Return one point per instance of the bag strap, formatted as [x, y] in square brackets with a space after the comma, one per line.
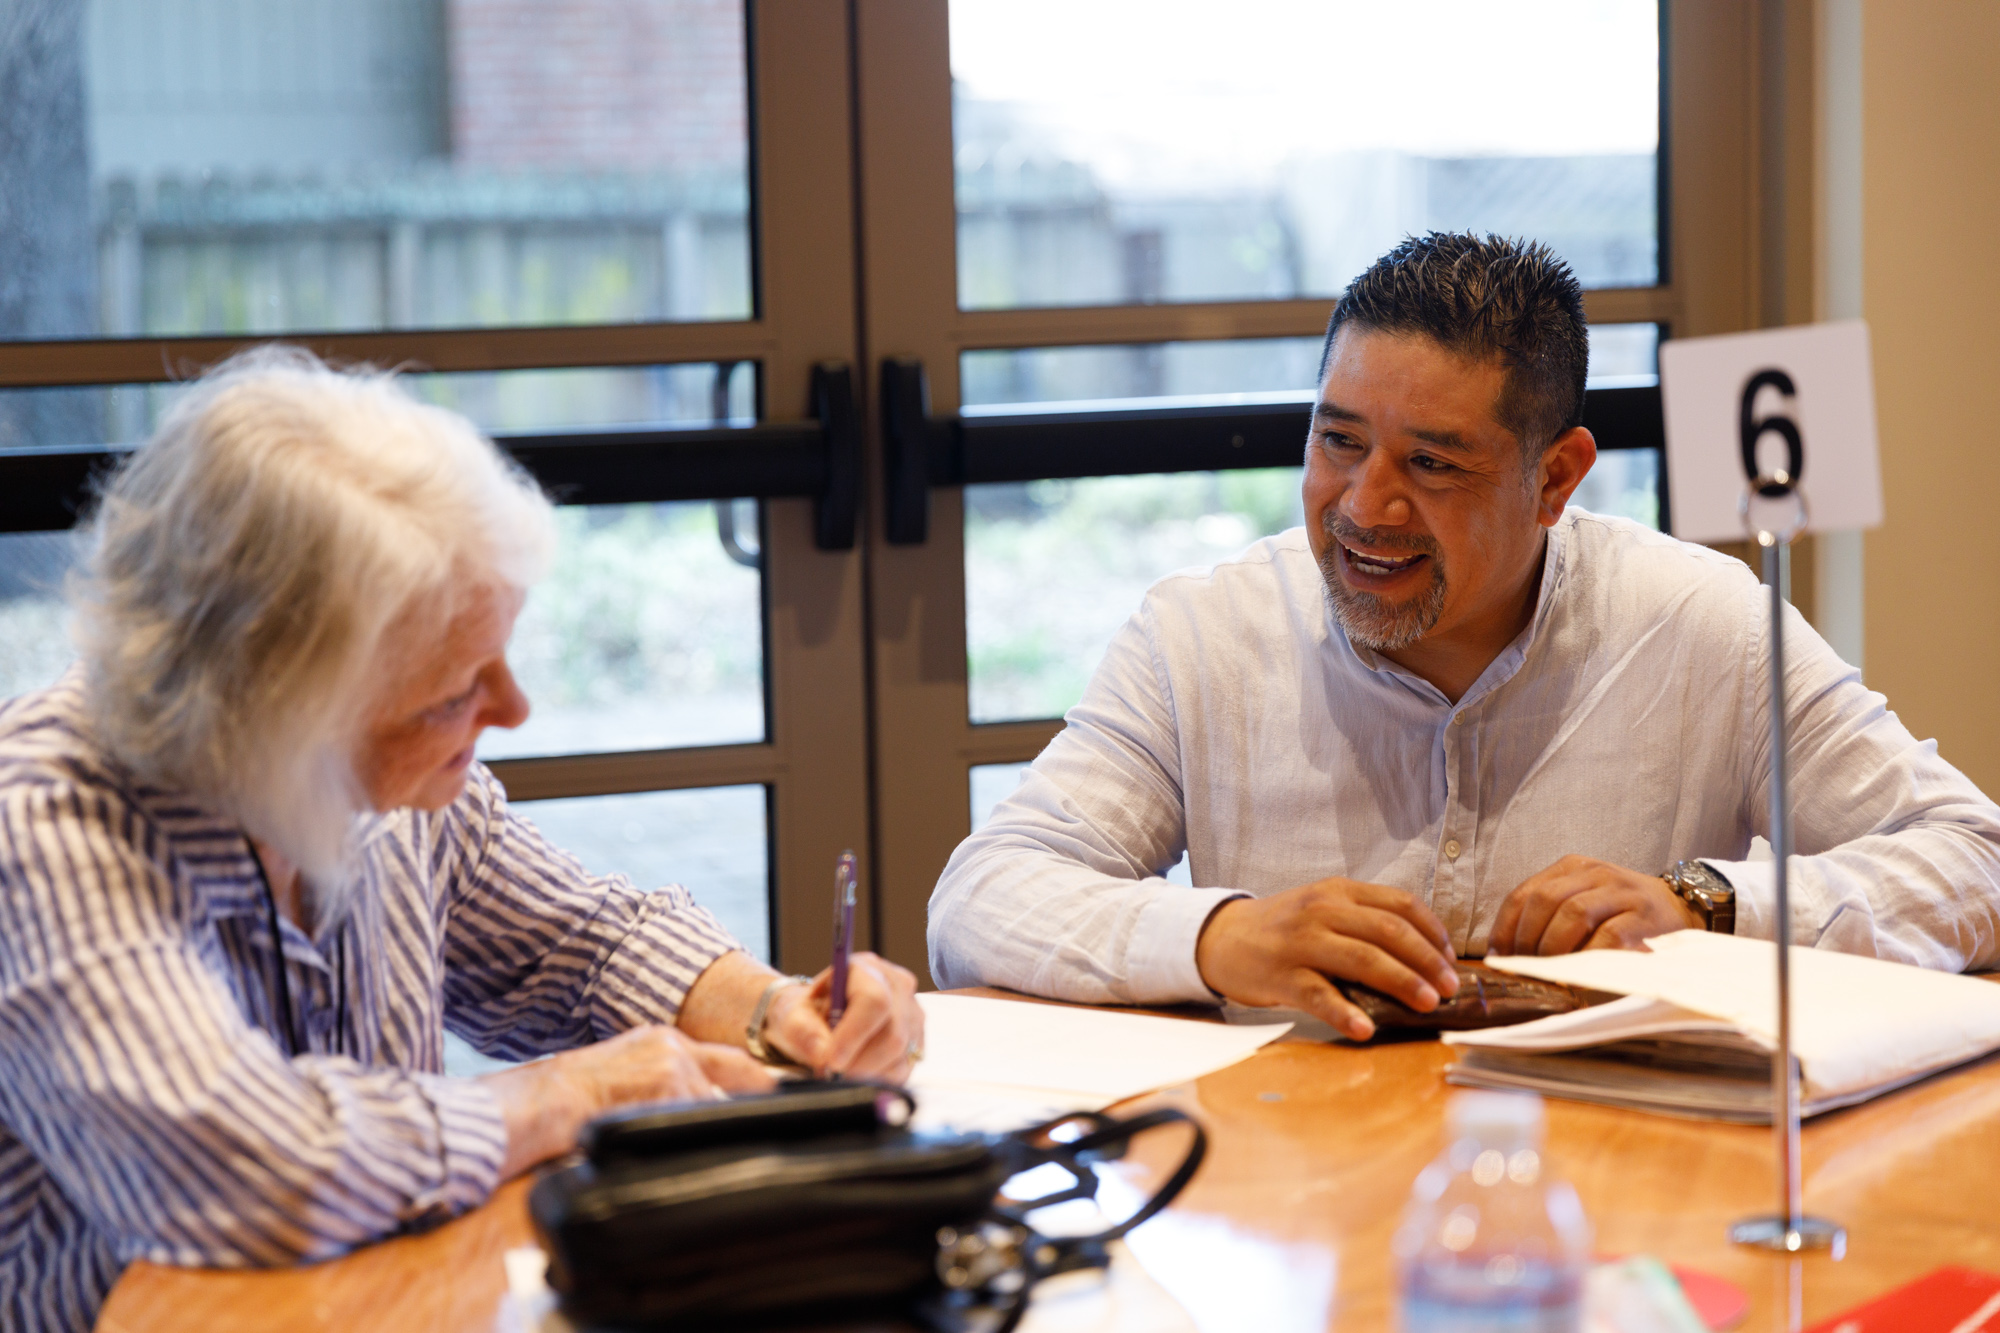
[1121, 1132]
[1045, 1256]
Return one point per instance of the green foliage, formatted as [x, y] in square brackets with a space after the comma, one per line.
[642, 602]
[1054, 567]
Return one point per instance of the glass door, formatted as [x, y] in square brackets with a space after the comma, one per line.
[1102, 229]
[638, 240]
[619, 240]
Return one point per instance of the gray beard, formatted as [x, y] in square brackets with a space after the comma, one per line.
[1374, 622]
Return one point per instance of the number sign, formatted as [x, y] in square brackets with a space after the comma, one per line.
[1774, 410]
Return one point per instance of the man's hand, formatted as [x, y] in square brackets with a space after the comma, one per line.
[1583, 903]
[880, 1036]
[1280, 950]
[545, 1103]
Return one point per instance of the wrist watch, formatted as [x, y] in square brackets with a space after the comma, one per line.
[1711, 896]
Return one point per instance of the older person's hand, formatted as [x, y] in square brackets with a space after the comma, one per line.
[544, 1104]
[880, 1036]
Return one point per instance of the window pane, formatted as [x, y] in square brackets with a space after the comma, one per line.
[192, 167]
[1012, 378]
[1103, 541]
[1111, 152]
[712, 840]
[34, 650]
[647, 634]
[1625, 482]
[992, 784]
[1624, 354]
[649, 631]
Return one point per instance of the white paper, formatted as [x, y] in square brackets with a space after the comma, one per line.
[1702, 381]
[1000, 1064]
[1857, 1023]
[1633, 1017]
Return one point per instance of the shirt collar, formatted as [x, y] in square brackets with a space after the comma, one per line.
[1555, 559]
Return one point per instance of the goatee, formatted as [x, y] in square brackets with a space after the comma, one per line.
[1372, 621]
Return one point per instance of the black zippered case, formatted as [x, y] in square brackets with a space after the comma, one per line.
[813, 1204]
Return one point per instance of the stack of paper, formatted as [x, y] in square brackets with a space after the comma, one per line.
[1002, 1064]
[1695, 1031]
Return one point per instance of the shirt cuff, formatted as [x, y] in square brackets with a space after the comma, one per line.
[1161, 967]
[472, 1145]
[1755, 895]
[654, 967]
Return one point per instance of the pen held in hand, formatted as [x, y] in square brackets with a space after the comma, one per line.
[843, 936]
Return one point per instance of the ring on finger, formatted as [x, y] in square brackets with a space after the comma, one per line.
[915, 1053]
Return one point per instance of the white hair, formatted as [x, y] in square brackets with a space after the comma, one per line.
[245, 564]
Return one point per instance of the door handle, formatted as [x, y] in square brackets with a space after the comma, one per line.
[912, 447]
[837, 507]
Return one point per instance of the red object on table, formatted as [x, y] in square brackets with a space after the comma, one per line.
[1721, 1304]
[1951, 1300]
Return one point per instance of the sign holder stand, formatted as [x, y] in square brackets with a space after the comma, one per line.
[1789, 1230]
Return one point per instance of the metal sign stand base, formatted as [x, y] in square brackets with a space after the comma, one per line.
[1790, 1235]
[1790, 1231]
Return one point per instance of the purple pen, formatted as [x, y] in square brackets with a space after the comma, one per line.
[843, 935]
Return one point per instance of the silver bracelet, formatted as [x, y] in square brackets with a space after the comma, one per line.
[753, 1035]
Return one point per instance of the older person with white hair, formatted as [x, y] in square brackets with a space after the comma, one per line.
[250, 872]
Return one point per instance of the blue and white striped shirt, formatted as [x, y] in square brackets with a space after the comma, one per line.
[146, 1109]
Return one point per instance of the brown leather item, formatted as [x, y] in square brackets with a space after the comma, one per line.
[1487, 998]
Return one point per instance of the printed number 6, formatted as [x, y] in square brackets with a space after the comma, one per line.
[1754, 429]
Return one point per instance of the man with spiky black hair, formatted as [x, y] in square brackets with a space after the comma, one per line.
[1453, 715]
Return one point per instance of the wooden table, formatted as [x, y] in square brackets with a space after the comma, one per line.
[1313, 1150]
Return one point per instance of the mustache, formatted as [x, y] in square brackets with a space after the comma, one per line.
[1347, 534]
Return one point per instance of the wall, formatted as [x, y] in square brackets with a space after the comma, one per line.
[597, 84]
[1931, 293]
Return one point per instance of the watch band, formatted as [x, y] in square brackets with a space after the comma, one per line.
[1711, 896]
[753, 1033]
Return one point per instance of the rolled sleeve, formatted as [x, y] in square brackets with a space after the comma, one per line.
[543, 955]
[471, 1145]
[646, 978]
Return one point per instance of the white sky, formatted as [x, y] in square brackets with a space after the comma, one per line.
[1230, 88]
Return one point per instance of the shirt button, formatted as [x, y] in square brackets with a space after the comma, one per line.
[1451, 848]
[1457, 718]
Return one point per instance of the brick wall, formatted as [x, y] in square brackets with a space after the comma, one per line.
[597, 84]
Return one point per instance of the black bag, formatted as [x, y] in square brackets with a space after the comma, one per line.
[817, 1202]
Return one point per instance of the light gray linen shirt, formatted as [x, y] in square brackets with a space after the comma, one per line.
[1233, 719]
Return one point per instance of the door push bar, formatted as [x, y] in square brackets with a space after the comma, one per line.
[48, 488]
[920, 451]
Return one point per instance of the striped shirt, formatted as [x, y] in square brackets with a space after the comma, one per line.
[147, 1111]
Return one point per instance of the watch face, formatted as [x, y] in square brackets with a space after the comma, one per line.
[1712, 887]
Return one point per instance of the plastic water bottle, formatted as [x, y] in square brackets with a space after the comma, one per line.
[1491, 1242]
